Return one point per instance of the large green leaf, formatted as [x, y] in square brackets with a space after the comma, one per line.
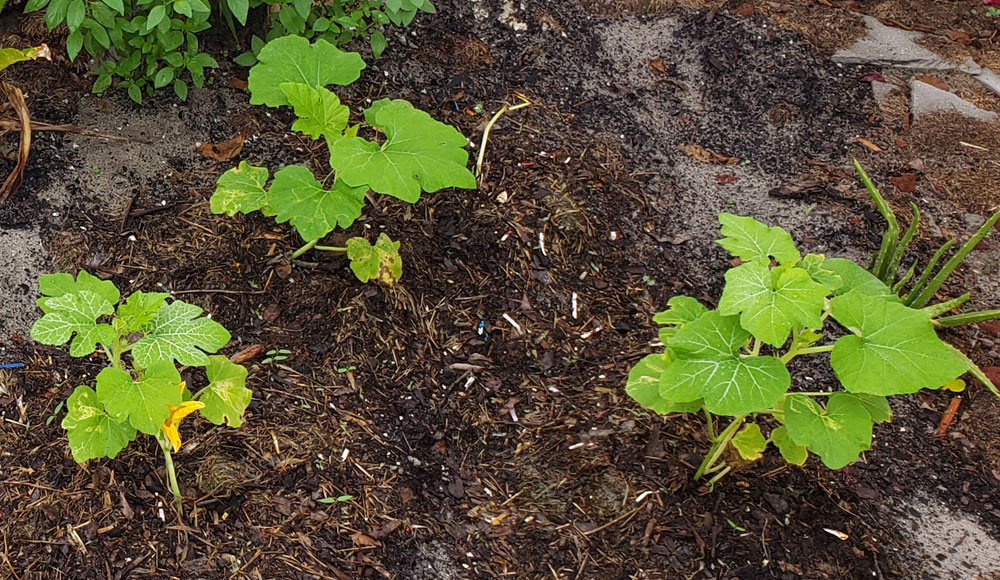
[143, 403]
[707, 365]
[92, 433]
[77, 313]
[771, 302]
[838, 434]
[893, 350]
[226, 397]
[291, 59]
[419, 153]
[748, 239]
[749, 442]
[241, 189]
[297, 197]
[856, 279]
[319, 111]
[379, 261]
[814, 265]
[643, 386]
[178, 332]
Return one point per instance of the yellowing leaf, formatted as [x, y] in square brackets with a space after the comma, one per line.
[955, 386]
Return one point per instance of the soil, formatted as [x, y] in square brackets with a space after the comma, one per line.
[475, 413]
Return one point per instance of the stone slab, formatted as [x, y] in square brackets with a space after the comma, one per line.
[887, 46]
[926, 99]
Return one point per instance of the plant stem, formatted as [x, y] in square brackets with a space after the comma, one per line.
[172, 477]
[305, 248]
[794, 352]
[719, 446]
[709, 424]
[486, 132]
[330, 248]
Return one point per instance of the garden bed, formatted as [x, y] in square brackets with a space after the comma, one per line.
[476, 412]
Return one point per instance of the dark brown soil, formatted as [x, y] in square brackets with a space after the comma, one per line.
[512, 452]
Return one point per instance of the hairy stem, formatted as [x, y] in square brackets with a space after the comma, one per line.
[331, 248]
[794, 352]
[709, 424]
[719, 446]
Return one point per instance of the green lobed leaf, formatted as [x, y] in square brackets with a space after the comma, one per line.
[749, 442]
[419, 153]
[178, 332]
[291, 59]
[772, 301]
[680, 310]
[707, 365]
[75, 313]
[894, 350]
[138, 310]
[143, 403]
[319, 111]
[59, 284]
[379, 261]
[92, 433]
[748, 239]
[856, 279]
[226, 396]
[838, 434]
[792, 452]
[297, 197]
[241, 189]
[643, 386]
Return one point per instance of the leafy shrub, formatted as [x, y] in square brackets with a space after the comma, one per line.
[335, 21]
[141, 391]
[778, 305]
[417, 154]
[154, 41]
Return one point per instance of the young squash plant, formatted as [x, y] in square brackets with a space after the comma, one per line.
[140, 391]
[416, 154]
[778, 305]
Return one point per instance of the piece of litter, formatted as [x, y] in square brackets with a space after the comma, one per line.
[541, 243]
[840, 535]
[574, 306]
[643, 495]
[516, 326]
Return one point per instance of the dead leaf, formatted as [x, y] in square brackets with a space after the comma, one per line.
[727, 178]
[869, 145]
[957, 36]
[360, 539]
[223, 151]
[238, 84]
[746, 11]
[659, 65]
[16, 177]
[933, 81]
[906, 183]
[873, 77]
[699, 153]
[247, 354]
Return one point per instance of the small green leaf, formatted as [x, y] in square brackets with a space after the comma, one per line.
[74, 42]
[226, 397]
[102, 84]
[143, 403]
[181, 89]
[877, 407]
[319, 111]
[116, 5]
[894, 350]
[378, 43]
[75, 13]
[297, 197]
[680, 310]
[813, 264]
[419, 153]
[157, 14]
[707, 365]
[163, 77]
[792, 452]
[139, 310]
[771, 302]
[178, 332]
[379, 261]
[293, 59]
[643, 386]
[92, 433]
[240, 9]
[749, 442]
[241, 189]
[838, 434]
[338, 499]
[748, 239]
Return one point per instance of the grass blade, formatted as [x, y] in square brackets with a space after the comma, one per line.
[906, 278]
[926, 274]
[904, 243]
[967, 318]
[940, 308]
[891, 236]
[932, 287]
